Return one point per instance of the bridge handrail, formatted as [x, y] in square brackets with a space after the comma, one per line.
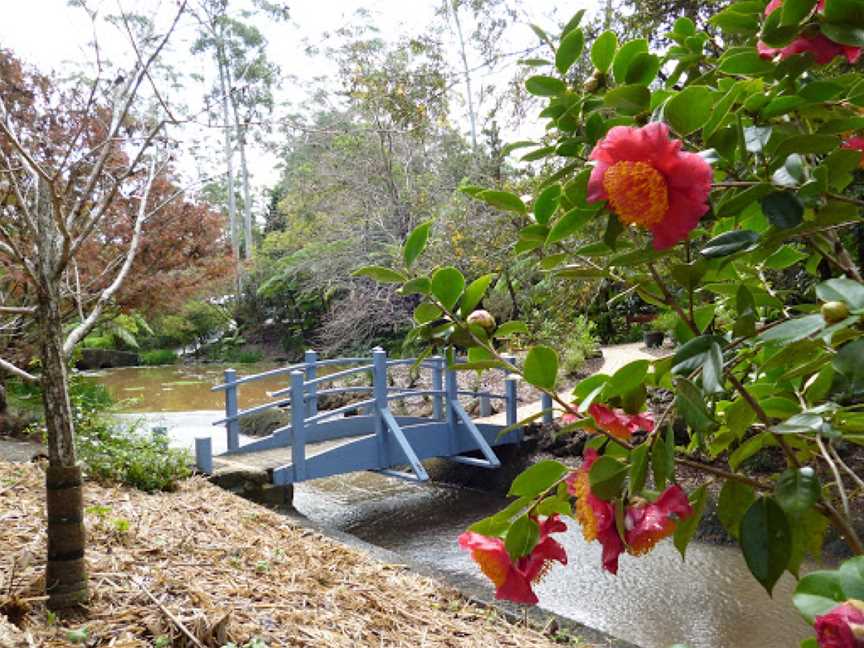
[287, 370]
[287, 401]
[481, 394]
[339, 410]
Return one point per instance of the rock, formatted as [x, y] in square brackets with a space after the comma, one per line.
[11, 636]
[106, 359]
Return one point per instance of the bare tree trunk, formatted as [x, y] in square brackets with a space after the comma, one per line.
[244, 175]
[229, 163]
[66, 571]
[472, 116]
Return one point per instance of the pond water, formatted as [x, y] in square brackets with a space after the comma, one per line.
[182, 388]
[709, 601]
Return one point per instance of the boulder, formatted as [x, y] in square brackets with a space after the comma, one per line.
[106, 359]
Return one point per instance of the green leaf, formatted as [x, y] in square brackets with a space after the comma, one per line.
[794, 329]
[415, 243]
[507, 150]
[509, 329]
[849, 377]
[735, 499]
[541, 367]
[797, 489]
[569, 223]
[808, 533]
[785, 257]
[643, 69]
[606, 477]
[843, 34]
[691, 404]
[685, 529]
[690, 109]
[663, 459]
[766, 541]
[603, 50]
[547, 203]
[784, 209]
[629, 99]
[447, 286]
[702, 352]
[638, 468]
[745, 305]
[807, 144]
[729, 243]
[418, 286]
[522, 537]
[545, 86]
[537, 478]
[380, 274]
[842, 289]
[625, 56]
[502, 200]
[569, 50]
[817, 593]
[426, 312]
[474, 294]
[745, 63]
[794, 11]
[627, 378]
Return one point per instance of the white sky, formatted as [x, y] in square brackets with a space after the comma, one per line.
[48, 33]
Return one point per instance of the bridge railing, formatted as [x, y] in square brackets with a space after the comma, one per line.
[305, 383]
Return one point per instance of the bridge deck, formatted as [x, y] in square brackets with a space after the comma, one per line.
[268, 460]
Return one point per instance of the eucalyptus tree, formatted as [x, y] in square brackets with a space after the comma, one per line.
[75, 155]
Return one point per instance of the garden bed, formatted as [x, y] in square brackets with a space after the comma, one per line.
[227, 570]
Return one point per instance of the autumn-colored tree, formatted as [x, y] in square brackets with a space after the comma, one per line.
[75, 158]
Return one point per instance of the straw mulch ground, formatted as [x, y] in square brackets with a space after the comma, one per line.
[228, 571]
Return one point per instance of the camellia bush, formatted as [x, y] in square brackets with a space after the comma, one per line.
[724, 171]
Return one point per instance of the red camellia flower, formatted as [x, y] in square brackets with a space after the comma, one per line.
[647, 524]
[842, 627]
[513, 580]
[619, 423]
[596, 516]
[855, 144]
[650, 182]
[820, 46]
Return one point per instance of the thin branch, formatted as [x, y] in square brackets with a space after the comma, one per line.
[16, 371]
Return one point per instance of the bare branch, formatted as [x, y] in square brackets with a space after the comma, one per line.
[78, 333]
[16, 371]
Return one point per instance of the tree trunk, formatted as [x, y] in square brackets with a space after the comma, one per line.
[472, 115]
[244, 176]
[66, 571]
[229, 163]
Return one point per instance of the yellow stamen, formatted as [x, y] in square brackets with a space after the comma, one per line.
[583, 511]
[637, 193]
[491, 565]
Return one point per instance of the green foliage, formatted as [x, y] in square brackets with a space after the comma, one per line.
[158, 357]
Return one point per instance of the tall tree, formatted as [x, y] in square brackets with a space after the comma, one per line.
[71, 158]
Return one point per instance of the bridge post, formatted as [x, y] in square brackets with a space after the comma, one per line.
[298, 426]
[232, 427]
[310, 358]
[511, 392]
[546, 403]
[204, 455]
[451, 382]
[379, 391]
[438, 385]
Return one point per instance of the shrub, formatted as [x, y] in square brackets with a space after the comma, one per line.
[575, 340]
[158, 357]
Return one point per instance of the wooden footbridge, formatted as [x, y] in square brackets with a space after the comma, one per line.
[363, 435]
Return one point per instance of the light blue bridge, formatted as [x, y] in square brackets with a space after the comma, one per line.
[363, 435]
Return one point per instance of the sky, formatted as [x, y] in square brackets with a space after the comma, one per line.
[49, 34]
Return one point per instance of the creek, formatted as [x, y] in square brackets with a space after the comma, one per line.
[655, 601]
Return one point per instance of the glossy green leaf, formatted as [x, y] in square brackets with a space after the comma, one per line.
[794, 329]
[570, 223]
[537, 478]
[766, 541]
[415, 243]
[509, 329]
[603, 50]
[547, 203]
[502, 200]
[522, 537]
[606, 477]
[380, 274]
[447, 285]
[624, 57]
[474, 294]
[745, 63]
[797, 489]
[817, 593]
[686, 528]
[842, 289]
[783, 208]
[541, 367]
[545, 86]
[735, 498]
[729, 243]
[638, 468]
[569, 50]
[690, 109]
[629, 99]
[426, 312]
[691, 404]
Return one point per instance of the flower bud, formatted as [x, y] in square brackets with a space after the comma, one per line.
[483, 319]
[835, 311]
